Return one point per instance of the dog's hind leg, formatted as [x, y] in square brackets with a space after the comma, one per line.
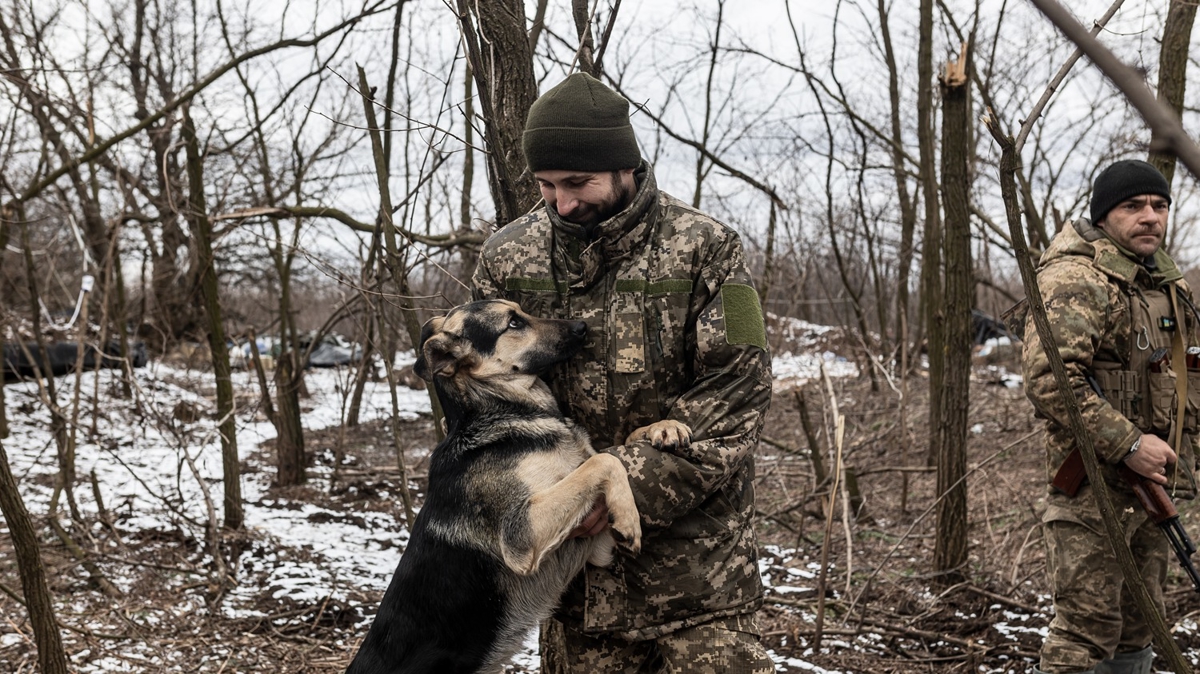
[556, 510]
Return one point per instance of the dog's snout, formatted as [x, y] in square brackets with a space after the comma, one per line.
[577, 328]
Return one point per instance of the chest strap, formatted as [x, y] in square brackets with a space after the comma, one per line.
[1179, 364]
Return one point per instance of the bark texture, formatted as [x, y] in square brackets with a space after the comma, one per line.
[950, 545]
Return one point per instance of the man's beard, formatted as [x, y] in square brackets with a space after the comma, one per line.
[618, 198]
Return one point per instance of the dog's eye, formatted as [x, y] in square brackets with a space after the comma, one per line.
[515, 323]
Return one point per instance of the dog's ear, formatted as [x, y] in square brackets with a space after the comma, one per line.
[421, 367]
[437, 358]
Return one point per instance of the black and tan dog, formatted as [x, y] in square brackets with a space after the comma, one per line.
[489, 554]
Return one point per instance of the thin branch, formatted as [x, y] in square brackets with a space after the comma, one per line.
[1162, 121]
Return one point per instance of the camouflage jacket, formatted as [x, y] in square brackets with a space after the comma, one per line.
[675, 332]
[1107, 310]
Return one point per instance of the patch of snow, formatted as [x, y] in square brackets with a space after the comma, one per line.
[794, 369]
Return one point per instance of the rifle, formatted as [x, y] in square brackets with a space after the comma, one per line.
[1154, 499]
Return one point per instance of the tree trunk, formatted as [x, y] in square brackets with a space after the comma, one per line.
[118, 310]
[764, 285]
[1172, 71]
[586, 52]
[58, 424]
[354, 410]
[468, 169]
[908, 210]
[931, 263]
[394, 260]
[202, 227]
[289, 445]
[51, 659]
[950, 545]
[260, 372]
[3, 404]
[706, 128]
[502, 63]
[5, 218]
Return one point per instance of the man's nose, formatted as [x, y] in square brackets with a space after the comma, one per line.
[567, 204]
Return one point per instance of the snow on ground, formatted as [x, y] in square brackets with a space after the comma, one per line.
[303, 552]
[794, 369]
[801, 349]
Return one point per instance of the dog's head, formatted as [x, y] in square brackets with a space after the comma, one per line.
[494, 339]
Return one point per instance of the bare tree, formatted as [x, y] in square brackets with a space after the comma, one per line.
[51, 657]
[202, 226]
[950, 545]
[1172, 75]
[908, 206]
[931, 248]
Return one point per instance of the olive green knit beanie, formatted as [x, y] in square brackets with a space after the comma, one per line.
[580, 125]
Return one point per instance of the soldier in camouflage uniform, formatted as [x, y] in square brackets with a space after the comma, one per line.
[1115, 300]
[675, 331]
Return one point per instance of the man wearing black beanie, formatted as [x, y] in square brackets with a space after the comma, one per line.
[1124, 322]
[675, 332]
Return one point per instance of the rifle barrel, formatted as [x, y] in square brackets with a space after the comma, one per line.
[1183, 548]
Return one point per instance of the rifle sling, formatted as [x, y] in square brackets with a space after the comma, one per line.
[1179, 363]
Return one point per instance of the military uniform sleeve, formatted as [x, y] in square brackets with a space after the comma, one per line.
[726, 403]
[483, 285]
[1079, 307]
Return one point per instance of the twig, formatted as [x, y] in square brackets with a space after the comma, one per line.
[12, 593]
[839, 423]
[1027, 125]
[922, 634]
[78, 553]
[928, 510]
[999, 598]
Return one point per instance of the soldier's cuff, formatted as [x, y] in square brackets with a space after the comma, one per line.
[1117, 453]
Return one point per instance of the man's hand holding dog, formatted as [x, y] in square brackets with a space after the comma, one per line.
[595, 522]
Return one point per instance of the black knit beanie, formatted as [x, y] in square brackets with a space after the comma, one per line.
[580, 125]
[1122, 180]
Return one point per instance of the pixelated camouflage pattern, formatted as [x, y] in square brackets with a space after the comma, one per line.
[723, 646]
[1098, 300]
[648, 287]
[1095, 616]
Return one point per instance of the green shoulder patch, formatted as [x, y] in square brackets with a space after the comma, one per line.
[743, 315]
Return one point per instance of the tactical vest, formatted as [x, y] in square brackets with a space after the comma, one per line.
[1144, 391]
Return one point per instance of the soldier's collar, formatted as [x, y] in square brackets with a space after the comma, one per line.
[1119, 262]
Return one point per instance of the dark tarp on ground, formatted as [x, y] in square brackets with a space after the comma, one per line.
[331, 355]
[63, 356]
[985, 327]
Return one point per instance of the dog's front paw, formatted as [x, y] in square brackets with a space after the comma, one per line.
[626, 529]
[667, 434]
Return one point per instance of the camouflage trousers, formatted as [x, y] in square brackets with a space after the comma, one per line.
[1094, 614]
[723, 646]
